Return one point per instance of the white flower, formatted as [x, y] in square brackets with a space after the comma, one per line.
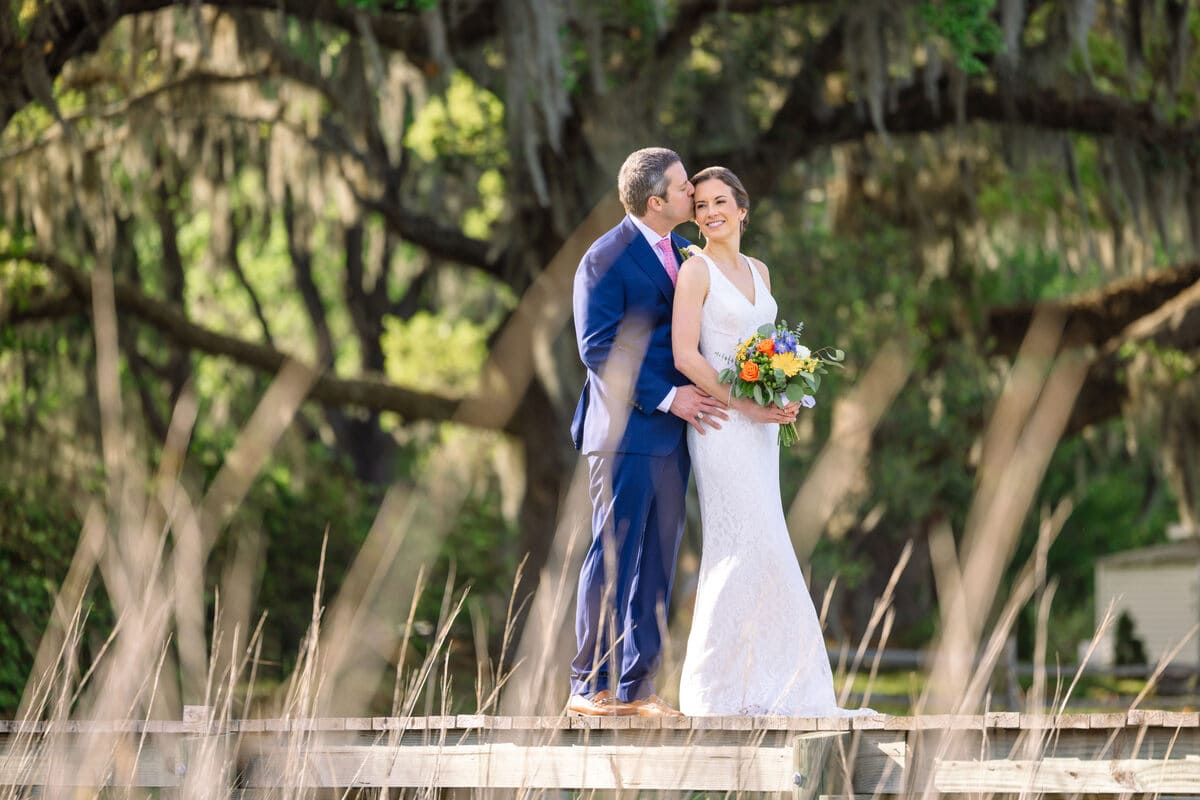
[803, 352]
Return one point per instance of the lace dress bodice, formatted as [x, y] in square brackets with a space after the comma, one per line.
[728, 317]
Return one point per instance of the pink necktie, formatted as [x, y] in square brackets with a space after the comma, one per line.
[668, 258]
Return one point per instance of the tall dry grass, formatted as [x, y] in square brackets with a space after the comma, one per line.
[148, 538]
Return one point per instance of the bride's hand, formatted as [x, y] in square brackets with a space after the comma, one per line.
[766, 414]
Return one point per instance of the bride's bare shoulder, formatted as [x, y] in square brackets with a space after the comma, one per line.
[694, 271]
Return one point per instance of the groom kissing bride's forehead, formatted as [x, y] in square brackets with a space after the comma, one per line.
[630, 423]
[654, 331]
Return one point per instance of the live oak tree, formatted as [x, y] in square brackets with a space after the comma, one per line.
[396, 159]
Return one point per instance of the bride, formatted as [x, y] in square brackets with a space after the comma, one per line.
[755, 646]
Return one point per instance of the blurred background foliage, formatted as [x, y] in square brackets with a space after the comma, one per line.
[373, 187]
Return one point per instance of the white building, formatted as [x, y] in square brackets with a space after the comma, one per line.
[1159, 587]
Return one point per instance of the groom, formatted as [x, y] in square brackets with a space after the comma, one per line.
[630, 423]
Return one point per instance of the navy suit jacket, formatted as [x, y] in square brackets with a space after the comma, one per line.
[622, 305]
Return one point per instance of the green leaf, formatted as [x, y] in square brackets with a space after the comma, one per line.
[781, 399]
[726, 375]
[758, 395]
[780, 378]
[795, 391]
[766, 330]
[839, 355]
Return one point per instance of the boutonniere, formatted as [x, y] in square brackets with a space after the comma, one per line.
[687, 251]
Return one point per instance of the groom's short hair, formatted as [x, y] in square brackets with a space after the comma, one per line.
[644, 175]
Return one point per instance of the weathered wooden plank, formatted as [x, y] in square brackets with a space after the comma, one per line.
[646, 723]
[873, 722]
[1073, 721]
[75, 766]
[1069, 776]
[676, 723]
[1143, 750]
[704, 723]
[879, 761]
[1002, 719]
[1056, 760]
[506, 765]
[833, 724]
[63, 726]
[737, 723]
[398, 723]
[473, 721]
[1144, 717]
[1180, 719]
[1097, 721]
[199, 722]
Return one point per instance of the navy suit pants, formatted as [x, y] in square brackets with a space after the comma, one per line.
[638, 513]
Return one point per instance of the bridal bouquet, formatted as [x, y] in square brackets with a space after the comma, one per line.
[772, 368]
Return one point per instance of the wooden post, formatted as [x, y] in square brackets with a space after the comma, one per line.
[814, 772]
[196, 718]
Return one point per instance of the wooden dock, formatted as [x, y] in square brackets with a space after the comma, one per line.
[1132, 752]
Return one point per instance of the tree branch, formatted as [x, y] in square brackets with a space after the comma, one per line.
[49, 306]
[1175, 325]
[1095, 317]
[67, 29]
[441, 242]
[123, 108]
[329, 390]
[235, 264]
[802, 126]
[1162, 307]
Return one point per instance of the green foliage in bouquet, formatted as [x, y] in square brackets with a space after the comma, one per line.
[773, 368]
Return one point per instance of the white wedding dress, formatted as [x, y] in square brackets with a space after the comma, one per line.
[755, 647]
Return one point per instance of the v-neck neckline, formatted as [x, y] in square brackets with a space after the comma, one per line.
[753, 278]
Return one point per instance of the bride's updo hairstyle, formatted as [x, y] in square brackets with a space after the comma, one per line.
[726, 176]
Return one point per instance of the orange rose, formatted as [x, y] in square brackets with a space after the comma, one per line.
[767, 346]
[749, 372]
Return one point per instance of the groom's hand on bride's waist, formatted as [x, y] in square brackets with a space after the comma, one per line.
[698, 408]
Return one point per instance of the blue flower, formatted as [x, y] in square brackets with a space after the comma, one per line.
[808, 401]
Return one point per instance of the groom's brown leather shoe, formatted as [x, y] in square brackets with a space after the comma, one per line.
[653, 706]
[600, 704]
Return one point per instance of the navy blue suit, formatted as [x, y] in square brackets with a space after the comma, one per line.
[637, 458]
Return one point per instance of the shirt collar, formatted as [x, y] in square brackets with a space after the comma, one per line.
[651, 236]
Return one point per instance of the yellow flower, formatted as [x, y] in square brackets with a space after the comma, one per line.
[739, 352]
[787, 362]
[809, 364]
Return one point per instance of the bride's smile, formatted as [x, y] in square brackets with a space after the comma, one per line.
[716, 212]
